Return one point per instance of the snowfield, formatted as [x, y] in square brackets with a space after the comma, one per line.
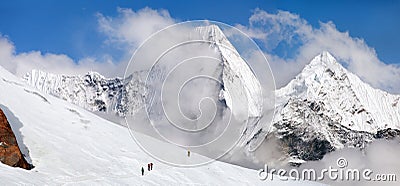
[69, 145]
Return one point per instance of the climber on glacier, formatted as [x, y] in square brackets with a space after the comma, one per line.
[142, 171]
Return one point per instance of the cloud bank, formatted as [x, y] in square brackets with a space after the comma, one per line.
[289, 31]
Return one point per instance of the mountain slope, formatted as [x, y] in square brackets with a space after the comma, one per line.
[68, 144]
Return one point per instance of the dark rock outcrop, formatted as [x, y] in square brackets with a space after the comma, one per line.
[10, 153]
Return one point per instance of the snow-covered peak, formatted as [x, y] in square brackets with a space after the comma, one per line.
[214, 34]
[324, 58]
[328, 105]
[320, 70]
[346, 98]
[318, 67]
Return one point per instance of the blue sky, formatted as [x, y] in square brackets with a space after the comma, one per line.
[69, 27]
[77, 36]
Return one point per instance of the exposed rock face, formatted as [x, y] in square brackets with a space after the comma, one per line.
[10, 154]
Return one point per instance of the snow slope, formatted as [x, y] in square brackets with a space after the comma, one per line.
[69, 145]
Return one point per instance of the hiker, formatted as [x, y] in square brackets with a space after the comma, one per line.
[151, 166]
[142, 171]
[148, 166]
[188, 153]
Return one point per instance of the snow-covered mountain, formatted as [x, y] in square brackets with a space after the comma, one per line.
[351, 102]
[70, 145]
[126, 96]
[326, 108]
[323, 109]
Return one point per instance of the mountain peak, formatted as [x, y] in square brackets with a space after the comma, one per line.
[324, 58]
[325, 54]
[322, 63]
[326, 80]
[214, 34]
[326, 104]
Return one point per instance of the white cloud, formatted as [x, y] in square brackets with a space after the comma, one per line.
[7, 49]
[22, 63]
[125, 31]
[132, 28]
[307, 41]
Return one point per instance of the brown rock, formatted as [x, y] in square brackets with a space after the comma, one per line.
[10, 154]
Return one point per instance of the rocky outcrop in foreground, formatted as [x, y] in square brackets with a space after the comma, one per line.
[10, 153]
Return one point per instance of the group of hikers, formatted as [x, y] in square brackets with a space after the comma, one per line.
[150, 165]
[149, 168]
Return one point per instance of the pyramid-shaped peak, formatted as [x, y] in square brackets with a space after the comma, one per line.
[326, 54]
[323, 62]
[324, 58]
[212, 33]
